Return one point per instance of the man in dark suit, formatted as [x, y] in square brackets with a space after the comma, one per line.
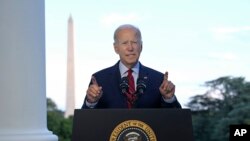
[129, 84]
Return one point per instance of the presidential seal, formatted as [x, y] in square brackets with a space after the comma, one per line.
[133, 130]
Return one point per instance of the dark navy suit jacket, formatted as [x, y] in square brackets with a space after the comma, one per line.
[112, 97]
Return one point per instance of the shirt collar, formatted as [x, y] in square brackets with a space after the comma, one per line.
[123, 69]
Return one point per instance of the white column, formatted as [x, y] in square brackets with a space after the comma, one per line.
[23, 114]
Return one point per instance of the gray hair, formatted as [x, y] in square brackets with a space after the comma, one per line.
[128, 26]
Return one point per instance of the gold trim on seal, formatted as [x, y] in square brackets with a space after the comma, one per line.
[134, 124]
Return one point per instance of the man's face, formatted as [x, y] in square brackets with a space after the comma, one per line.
[128, 47]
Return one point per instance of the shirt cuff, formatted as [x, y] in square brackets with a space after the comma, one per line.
[171, 100]
[90, 105]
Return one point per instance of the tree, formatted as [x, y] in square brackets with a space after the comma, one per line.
[225, 102]
[56, 122]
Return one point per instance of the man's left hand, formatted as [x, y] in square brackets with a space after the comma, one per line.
[167, 88]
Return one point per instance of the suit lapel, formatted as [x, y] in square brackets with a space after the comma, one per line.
[143, 74]
[115, 75]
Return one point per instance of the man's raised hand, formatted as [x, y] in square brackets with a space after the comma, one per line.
[94, 92]
[167, 88]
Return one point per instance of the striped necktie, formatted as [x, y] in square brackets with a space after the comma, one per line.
[131, 90]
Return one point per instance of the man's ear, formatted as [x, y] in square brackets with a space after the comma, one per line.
[141, 47]
[115, 48]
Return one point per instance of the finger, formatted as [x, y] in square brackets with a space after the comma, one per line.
[171, 93]
[90, 93]
[166, 76]
[94, 93]
[173, 89]
[95, 90]
[93, 80]
[91, 98]
[164, 85]
[170, 87]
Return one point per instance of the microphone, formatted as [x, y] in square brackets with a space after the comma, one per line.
[141, 86]
[124, 85]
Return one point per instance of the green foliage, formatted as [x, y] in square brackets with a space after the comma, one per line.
[56, 122]
[225, 103]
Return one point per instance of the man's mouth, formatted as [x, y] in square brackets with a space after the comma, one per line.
[130, 55]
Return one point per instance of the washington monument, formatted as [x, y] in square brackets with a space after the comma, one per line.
[70, 93]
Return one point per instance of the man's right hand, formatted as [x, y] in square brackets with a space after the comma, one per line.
[94, 92]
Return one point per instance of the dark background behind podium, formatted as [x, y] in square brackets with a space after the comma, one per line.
[211, 115]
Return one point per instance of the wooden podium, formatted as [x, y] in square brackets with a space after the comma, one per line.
[132, 125]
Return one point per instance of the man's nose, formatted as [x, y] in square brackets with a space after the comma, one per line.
[130, 46]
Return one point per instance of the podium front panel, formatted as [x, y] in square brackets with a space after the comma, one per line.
[137, 124]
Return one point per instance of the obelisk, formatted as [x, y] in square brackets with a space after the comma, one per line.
[70, 92]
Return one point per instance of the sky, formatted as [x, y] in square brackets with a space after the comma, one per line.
[195, 41]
